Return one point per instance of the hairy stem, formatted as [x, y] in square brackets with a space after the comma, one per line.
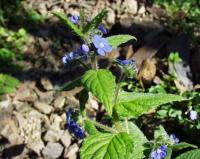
[104, 127]
[115, 115]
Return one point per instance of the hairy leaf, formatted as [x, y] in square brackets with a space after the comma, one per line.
[136, 104]
[90, 127]
[138, 140]
[62, 17]
[193, 154]
[117, 40]
[95, 21]
[183, 145]
[102, 85]
[107, 146]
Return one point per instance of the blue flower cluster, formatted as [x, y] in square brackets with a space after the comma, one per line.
[159, 153]
[73, 127]
[128, 66]
[174, 139]
[100, 43]
[126, 62]
[81, 52]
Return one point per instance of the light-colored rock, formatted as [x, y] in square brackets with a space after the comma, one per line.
[22, 107]
[111, 17]
[43, 107]
[66, 139]
[55, 122]
[9, 129]
[53, 135]
[52, 150]
[30, 131]
[46, 97]
[92, 102]
[142, 10]
[59, 102]
[46, 84]
[24, 93]
[71, 152]
[131, 6]
[4, 104]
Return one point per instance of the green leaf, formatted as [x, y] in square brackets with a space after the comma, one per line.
[169, 153]
[160, 133]
[193, 154]
[139, 139]
[117, 40]
[107, 146]
[62, 17]
[90, 127]
[183, 145]
[7, 83]
[102, 85]
[135, 104]
[95, 22]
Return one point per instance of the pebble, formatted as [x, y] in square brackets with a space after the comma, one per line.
[59, 102]
[43, 107]
[131, 6]
[71, 152]
[52, 150]
[53, 135]
[66, 139]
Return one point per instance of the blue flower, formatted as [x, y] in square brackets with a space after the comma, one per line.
[74, 19]
[193, 115]
[85, 48]
[174, 139]
[101, 44]
[159, 153]
[126, 62]
[81, 52]
[128, 67]
[68, 57]
[73, 127]
[102, 29]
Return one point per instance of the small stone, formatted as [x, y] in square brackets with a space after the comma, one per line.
[131, 6]
[55, 121]
[66, 139]
[71, 152]
[52, 150]
[141, 10]
[46, 97]
[43, 107]
[4, 104]
[46, 84]
[111, 17]
[92, 102]
[53, 135]
[59, 102]
[25, 94]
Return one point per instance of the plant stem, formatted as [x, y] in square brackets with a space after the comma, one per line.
[104, 127]
[115, 115]
[118, 87]
[83, 64]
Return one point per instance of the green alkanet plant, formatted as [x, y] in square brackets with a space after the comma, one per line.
[124, 140]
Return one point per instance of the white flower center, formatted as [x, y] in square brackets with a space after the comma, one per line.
[101, 45]
[159, 151]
